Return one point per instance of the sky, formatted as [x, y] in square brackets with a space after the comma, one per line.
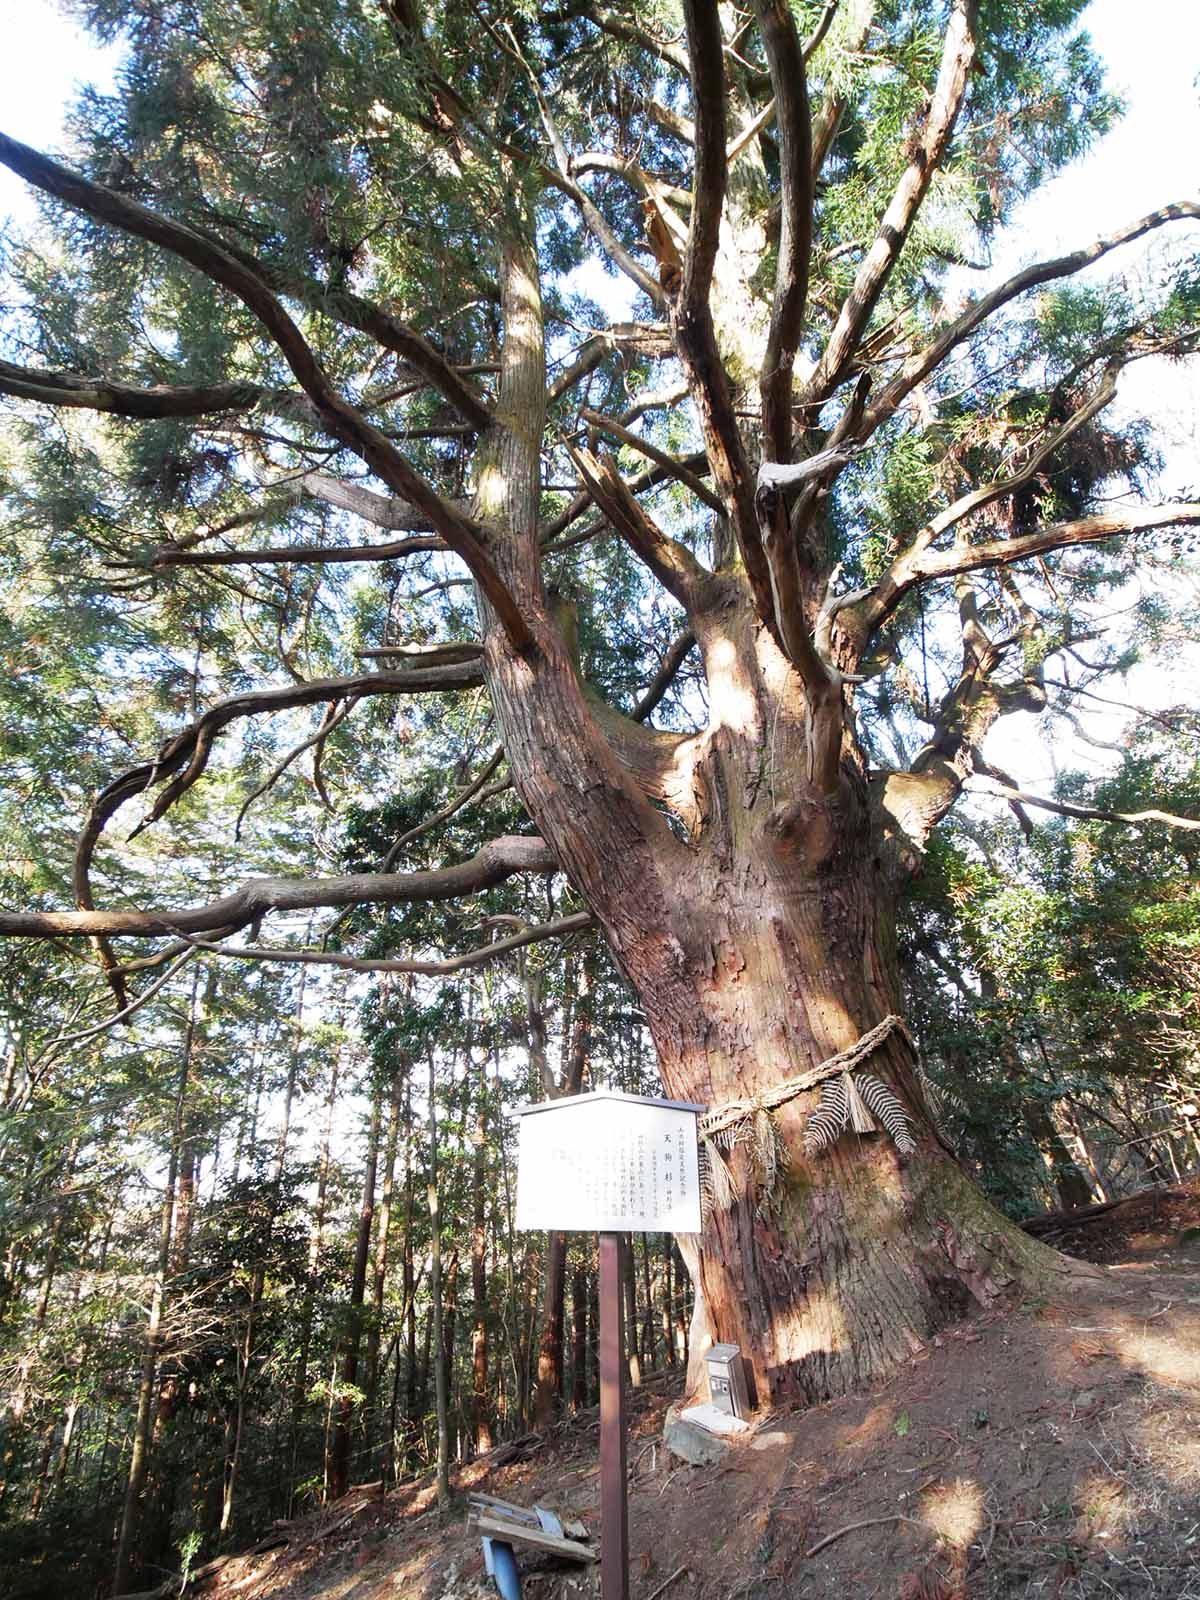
[1152, 48]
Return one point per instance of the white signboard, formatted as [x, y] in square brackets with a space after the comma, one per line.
[609, 1163]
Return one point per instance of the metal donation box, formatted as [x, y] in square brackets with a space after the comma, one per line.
[727, 1379]
[616, 1163]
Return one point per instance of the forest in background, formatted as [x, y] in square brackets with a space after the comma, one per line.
[249, 1231]
[218, 1224]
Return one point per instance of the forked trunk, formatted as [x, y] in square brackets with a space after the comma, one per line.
[755, 927]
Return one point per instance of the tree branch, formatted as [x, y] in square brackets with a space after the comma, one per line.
[384, 511]
[127, 400]
[785, 58]
[883, 599]
[672, 563]
[958, 54]
[341, 419]
[828, 118]
[1067, 808]
[918, 367]
[306, 555]
[934, 564]
[454, 805]
[618, 27]
[673, 467]
[691, 314]
[497, 860]
[670, 121]
[353, 311]
[186, 754]
[705, 51]
[336, 712]
[677, 653]
[648, 479]
[126, 1011]
[560, 928]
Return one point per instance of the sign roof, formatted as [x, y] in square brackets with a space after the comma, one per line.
[606, 1094]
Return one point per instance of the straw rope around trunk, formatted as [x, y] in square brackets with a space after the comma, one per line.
[750, 1122]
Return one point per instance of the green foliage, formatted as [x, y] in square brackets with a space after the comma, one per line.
[1053, 979]
[354, 159]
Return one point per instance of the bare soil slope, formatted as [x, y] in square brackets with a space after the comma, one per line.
[1052, 1450]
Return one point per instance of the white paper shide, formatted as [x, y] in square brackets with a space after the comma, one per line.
[609, 1163]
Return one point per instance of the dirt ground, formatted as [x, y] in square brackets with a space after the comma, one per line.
[1052, 1449]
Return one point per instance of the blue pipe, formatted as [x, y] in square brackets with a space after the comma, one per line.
[501, 1562]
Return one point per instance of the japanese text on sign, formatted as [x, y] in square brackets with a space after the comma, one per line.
[609, 1163]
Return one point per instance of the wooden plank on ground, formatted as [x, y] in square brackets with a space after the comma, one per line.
[490, 1505]
[494, 1527]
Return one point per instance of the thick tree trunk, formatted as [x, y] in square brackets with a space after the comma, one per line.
[758, 932]
[860, 1255]
[757, 953]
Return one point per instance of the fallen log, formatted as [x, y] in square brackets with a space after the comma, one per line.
[1064, 1221]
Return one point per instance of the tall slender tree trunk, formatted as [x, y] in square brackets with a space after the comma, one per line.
[649, 1353]
[410, 1297]
[339, 1478]
[547, 1394]
[49, 1435]
[70, 1420]
[246, 1353]
[316, 1239]
[441, 1386]
[450, 1270]
[629, 1296]
[667, 1303]
[139, 1461]
[380, 1264]
[481, 1426]
[579, 1337]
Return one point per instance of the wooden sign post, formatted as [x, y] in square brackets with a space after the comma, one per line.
[616, 1164]
[614, 1498]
